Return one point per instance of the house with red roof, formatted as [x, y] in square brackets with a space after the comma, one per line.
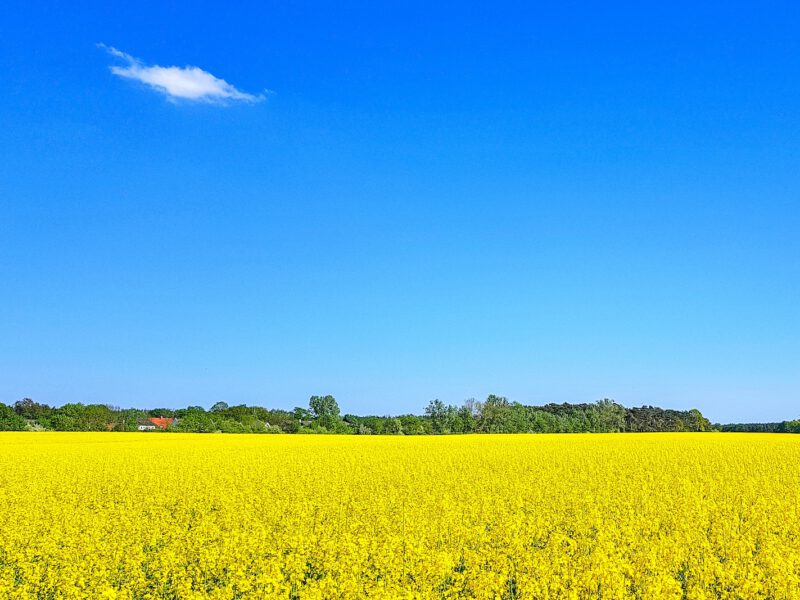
[153, 423]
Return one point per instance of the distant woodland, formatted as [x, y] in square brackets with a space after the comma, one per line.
[496, 414]
[778, 427]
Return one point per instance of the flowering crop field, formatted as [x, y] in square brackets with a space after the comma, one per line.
[104, 515]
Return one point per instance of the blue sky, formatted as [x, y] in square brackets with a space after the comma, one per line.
[399, 202]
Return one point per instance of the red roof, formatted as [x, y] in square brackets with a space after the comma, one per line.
[161, 422]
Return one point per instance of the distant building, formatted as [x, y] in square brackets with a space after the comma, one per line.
[154, 423]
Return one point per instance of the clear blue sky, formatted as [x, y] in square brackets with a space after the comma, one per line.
[398, 202]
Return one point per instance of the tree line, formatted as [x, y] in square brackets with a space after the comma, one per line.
[496, 414]
[778, 427]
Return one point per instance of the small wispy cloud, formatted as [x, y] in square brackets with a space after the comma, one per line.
[179, 83]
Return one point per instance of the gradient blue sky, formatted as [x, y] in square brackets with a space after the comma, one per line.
[555, 203]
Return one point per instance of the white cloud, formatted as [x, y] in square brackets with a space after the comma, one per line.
[179, 83]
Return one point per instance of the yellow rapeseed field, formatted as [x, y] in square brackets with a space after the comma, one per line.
[104, 515]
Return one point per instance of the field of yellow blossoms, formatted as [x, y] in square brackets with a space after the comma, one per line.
[105, 515]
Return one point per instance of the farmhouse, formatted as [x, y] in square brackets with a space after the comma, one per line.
[154, 423]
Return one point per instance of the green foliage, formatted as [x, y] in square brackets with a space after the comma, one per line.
[196, 421]
[81, 417]
[610, 416]
[779, 427]
[465, 419]
[325, 414]
[161, 412]
[28, 409]
[439, 416]
[649, 418]
[323, 406]
[127, 419]
[497, 414]
[414, 425]
[224, 419]
[393, 426]
[10, 420]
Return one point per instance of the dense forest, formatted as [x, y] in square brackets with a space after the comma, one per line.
[779, 427]
[494, 415]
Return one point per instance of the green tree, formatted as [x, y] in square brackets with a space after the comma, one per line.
[127, 419]
[467, 417]
[323, 406]
[196, 421]
[439, 416]
[698, 421]
[495, 415]
[161, 412]
[610, 416]
[393, 426]
[325, 411]
[10, 420]
[28, 409]
[793, 426]
[415, 425]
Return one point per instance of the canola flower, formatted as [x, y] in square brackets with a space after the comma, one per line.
[183, 516]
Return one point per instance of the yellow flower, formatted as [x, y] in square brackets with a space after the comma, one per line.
[650, 516]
